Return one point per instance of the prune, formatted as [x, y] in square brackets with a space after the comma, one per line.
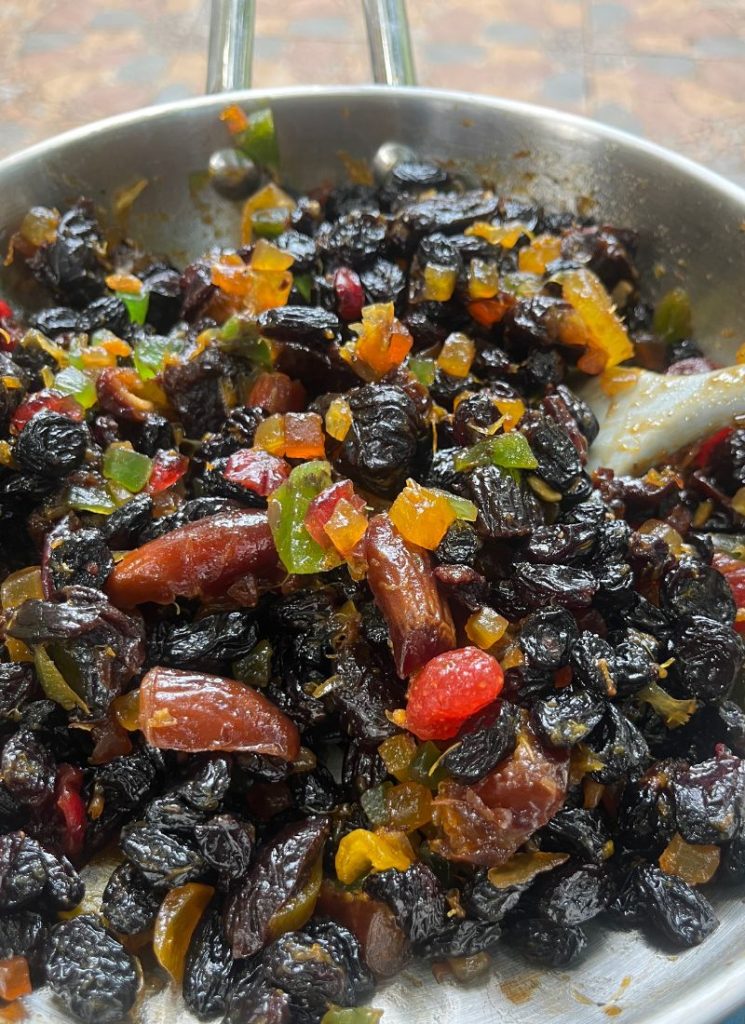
[484, 741]
[24, 934]
[80, 559]
[591, 659]
[227, 845]
[459, 546]
[23, 872]
[209, 968]
[367, 690]
[692, 588]
[462, 938]
[381, 446]
[546, 637]
[318, 966]
[71, 266]
[543, 942]
[566, 717]
[539, 585]
[571, 895]
[51, 445]
[578, 831]
[207, 643]
[128, 903]
[619, 745]
[507, 507]
[560, 544]
[164, 860]
[124, 526]
[709, 658]
[415, 897]
[28, 768]
[91, 972]
[707, 797]
[309, 325]
[280, 869]
[682, 915]
[383, 281]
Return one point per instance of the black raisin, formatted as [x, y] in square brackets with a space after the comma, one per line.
[709, 658]
[128, 903]
[227, 845]
[507, 507]
[209, 968]
[707, 798]
[52, 445]
[164, 860]
[539, 585]
[692, 588]
[544, 942]
[483, 741]
[546, 637]
[416, 898]
[682, 915]
[81, 559]
[566, 717]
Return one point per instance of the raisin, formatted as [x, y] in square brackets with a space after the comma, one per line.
[197, 390]
[28, 768]
[124, 526]
[582, 413]
[354, 240]
[591, 659]
[164, 860]
[507, 507]
[447, 213]
[459, 546]
[368, 690]
[128, 903]
[91, 972]
[415, 897]
[709, 658]
[619, 745]
[410, 175]
[383, 281]
[64, 887]
[484, 741]
[694, 589]
[80, 559]
[25, 934]
[571, 895]
[543, 942]
[632, 668]
[486, 902]
[280, 869]
[681, 915]
[707, 797]
[462, 938]
[227, 845]
[309, 325]
[546, 637]
[207, 644]
[539, 585]
[578, 831]
[71, 266]
[554, 545]
[316, 792]
[23, 872]
[567, 717]
[52, 445]
[253, 1000]
[209, 968]
[381, 446]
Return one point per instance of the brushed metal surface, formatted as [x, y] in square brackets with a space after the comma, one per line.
[690, 223]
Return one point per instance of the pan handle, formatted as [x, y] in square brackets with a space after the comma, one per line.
[230, 53]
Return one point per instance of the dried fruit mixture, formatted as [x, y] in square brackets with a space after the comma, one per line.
[313, 615]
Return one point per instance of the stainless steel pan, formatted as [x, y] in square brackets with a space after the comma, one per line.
[691, 224]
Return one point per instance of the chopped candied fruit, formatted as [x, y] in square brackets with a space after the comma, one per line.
[15, 980]
[506, 235]
[421, 516]
[256, 470]
[483, 279]
[542, 250]
[270, 199]
[304, 437]
[457, 355]
[382, 341]
[362, 851]
[22, 585]
[439, 282]
[397, 753]
[486, 627]
[346, 527]
[695, 864]
[600, 331]
[270, 435]
[177, 918]
[338, 419]
[276, 392]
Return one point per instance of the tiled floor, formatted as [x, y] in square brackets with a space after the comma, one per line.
[673, 70]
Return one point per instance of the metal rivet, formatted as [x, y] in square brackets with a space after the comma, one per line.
[232, 173]
[387, 156]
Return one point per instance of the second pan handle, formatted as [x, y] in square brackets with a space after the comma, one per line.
[230, 54]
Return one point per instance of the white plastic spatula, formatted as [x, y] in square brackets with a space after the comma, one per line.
[643, 425]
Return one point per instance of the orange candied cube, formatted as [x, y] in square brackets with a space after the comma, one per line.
[304, 435]
[488, 312]
[276, 392]
[270, 435]
[231, 275]
[346, 526]
[483, 279]
[505, 235]
[457, 355]
[15, 980]
[124, 283]
[266, 256]
[512, 410]
[421, 516]
[608, 344]
[542, 250]
[235, 118]
[439, 282]
[338, 419]
[486, 627]
[383, 343]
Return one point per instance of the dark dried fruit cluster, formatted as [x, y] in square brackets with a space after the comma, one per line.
[217, 432]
